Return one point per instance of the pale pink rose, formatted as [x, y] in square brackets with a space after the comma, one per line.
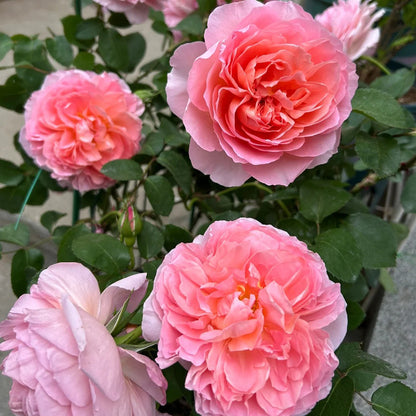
[352, 22]
[64, 362]
[253, 315]
[264, 95]
[136, 11]
[77, 122]
[176, 10]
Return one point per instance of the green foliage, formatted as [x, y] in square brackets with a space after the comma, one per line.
[395, 399]
[160, 194]
[15, 235]
[339, 401]
[396, 84]
[123, 170]
[319, 199]
[380, 154]
[352, 358]
[50, 218]
[340, 253]
[60, 50]
[103, 252]
[150, 241]
[6, 45]
[329, 207]
[178, 167]
[408, 196]
[26, 264]
[375, 238]
[382, 108]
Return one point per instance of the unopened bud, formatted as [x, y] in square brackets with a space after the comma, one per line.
[129, 224]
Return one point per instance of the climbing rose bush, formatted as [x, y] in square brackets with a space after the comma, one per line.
[77, 122]
[252, 315]
[352, 22]
[264, 95]
[64, 361]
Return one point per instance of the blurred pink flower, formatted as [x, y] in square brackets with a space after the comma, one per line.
[253, 315]
[77, 122]
[63, 361]
[136, 11]
[264, 95]
[176, 10]
[351, 21]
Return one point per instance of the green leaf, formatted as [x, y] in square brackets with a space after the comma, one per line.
[173, 135]
[65, 252]
[297, 228]
[381, 154]
[408, 196]
[175, 375]
[114, 50]
[136, 46]
[192, 24]
[123, 170]
[160, 194]
[150, 240]
[356, 315]
[175, 235]
[153, 144]
[25, 265]
[320, 198]
[60, 50]
[10, 174]
[13, 94]
[50, 218]
[381, 107]
[103, 252]
[355, 292]
[19, 236]
[339, 401]
[340, 253]
[31, 53]
[178, 167]
[150, 268]
[6, 45]
[394, 399]
[118, 20]
[387, 281]
[396, 84]
[89, 29]
[375, 238]
[352, 358]
[85, 61]
[70, 25]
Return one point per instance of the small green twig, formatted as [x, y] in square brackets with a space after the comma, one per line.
[377, 63]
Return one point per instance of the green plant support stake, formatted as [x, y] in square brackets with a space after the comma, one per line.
[29, 192]
[76, 204]
[77, 4]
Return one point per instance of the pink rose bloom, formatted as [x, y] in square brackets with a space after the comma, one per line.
[264, 95]
[351, 21]
[77, 122]
[136, 11]
[64, 362]
[253, 315]
[176, 10]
